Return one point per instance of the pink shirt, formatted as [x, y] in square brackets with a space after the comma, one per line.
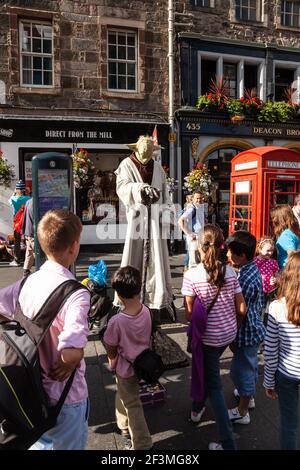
[131, 335]
[267, 268]
[221, 327]
[68, 330]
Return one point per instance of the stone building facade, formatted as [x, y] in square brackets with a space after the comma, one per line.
[89, 74]
[252, 45]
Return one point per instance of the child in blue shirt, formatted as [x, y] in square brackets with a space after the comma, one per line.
[17, 200]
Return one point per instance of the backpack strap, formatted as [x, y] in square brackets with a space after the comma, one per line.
[38, 326]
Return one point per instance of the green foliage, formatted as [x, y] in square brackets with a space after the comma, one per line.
[234, 107]
[7, 173]
[275, 111]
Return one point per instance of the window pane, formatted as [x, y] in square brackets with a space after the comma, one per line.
[112, 68]
[121, 52]
[36, 45]
[130, 69]
[36, 31]
[47, 62]
[27, 62]
[47, 32]
[122, 69]
[47, 46]
[242, 200]
[27, 77]
[122, 39]
[37, 63]
[112, 82]
[48, 78]
[112, 38]
[26, 41]
[131, 53]
[37, 78]
[122, 83]
[112, 52]
[130, 40]
[131, 83]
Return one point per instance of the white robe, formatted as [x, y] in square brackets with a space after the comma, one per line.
[129, 185]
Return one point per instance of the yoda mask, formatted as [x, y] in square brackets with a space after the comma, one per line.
[143, 149]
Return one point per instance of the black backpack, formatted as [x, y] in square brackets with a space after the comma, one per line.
[148, 366]
[24, 413]
[100, 304]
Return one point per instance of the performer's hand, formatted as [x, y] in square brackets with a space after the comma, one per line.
[150, 195]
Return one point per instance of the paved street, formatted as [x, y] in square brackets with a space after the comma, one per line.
[168, 423]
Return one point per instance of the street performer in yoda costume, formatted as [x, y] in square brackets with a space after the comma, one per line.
[141, 186]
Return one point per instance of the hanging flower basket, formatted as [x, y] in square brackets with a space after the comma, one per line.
[7, 173]
[83, 169]
[172, 183]
[198, 179]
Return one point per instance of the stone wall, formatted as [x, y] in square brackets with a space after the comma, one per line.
[80, 70]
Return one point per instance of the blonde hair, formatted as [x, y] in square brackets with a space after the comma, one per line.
[290, 287]
[57, 230]
[262, 241]
[211, 240]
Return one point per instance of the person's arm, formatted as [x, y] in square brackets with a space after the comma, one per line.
[188, 303]
[8, 299]
[68, 360]
[73, 337]
[182, 224]
[240, 308]
[271, 354]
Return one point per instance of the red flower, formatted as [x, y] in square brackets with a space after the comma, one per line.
[209, 95]
[199, 166]
[242, 99]
[1, 154]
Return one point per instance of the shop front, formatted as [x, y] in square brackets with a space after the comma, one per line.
[215, 142]
[97, 204]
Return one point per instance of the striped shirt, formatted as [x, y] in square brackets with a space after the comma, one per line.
[221, 325]
[282, 345]
[252, 330]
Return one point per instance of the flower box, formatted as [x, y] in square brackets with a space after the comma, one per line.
[152, 395]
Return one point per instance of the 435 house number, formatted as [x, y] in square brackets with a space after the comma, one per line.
[193, 126]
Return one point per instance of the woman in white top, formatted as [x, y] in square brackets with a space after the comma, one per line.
[282, 352]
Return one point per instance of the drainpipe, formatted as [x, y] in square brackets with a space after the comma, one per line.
[171, 84]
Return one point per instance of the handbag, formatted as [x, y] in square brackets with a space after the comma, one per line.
[148, 366]
[173, 357]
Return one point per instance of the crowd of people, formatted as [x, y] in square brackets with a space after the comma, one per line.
[247, 298]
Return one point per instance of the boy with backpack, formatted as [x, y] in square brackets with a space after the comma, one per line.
[244, 366]
[128, 333]
[61, 351]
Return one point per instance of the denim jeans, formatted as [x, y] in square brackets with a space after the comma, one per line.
[288, 390]
[70, 432]
[214, 391]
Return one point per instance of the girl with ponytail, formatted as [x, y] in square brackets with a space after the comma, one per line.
[217, 288]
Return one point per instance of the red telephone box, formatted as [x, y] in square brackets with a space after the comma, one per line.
[261, 178]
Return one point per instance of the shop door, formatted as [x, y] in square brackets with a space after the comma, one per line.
[242, 204]
[282, 189]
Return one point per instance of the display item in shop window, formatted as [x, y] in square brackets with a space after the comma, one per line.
[142, 188]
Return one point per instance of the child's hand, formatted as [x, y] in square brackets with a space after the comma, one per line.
[273, 281]
[270, 392]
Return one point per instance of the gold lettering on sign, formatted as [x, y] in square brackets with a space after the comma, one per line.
[267, 131]
[293, 132]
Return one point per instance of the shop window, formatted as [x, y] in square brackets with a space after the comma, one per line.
[202, 3]
[290, 14]
[208, 74]
[283, 80]
[100, 202]
[36, 54]
[122, 60]
[230, 79]
[250, 77]
[247, 10]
